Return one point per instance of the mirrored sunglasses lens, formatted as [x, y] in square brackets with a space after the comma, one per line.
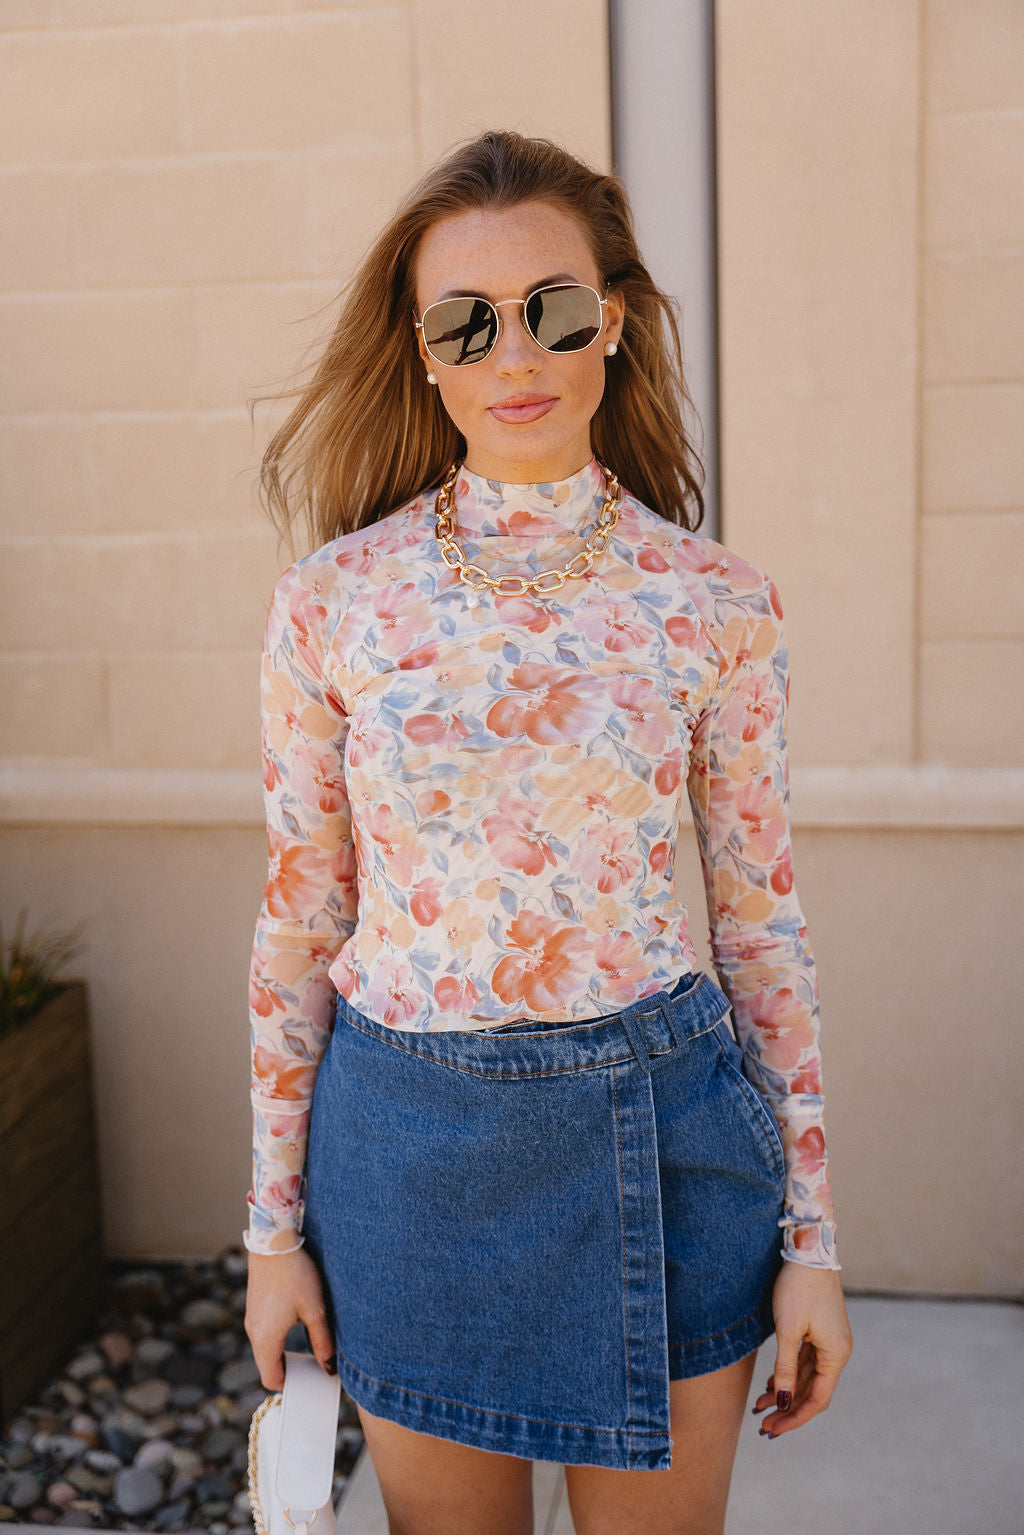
[564, 319]
[460, 330]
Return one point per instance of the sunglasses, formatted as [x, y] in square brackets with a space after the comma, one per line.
[566, 317]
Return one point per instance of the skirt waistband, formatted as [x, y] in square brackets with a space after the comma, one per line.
[646, 1030]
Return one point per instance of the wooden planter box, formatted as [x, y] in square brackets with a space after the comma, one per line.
[52, 1277]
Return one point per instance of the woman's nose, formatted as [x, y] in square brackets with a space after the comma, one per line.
[515, 349]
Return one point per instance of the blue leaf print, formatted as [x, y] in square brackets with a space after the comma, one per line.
[508, 900]
[512, 653]
[564, 906]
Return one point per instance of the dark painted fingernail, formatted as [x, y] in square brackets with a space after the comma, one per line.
[784, 1400]
[758, 1409]
[332, 1368]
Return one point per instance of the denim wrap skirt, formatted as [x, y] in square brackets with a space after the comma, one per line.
[525, 1232]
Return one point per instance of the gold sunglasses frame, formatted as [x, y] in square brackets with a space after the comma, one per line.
[550, 287]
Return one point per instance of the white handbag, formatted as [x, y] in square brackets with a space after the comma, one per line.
[291, 1452]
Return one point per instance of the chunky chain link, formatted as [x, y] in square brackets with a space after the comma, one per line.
[252, 1463]
[548, 581]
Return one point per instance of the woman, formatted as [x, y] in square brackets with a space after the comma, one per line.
[552, 1205]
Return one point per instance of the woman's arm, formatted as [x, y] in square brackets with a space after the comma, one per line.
[309, 904]
[738, 786]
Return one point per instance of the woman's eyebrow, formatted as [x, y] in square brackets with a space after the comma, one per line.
[545, 282]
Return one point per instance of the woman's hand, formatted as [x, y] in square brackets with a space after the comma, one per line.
[813, 1343]
[283, 1289]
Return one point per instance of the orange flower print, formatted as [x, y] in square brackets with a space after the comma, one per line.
[364, 742]
[648, 725]
[605, 857]
[684, 634]
[446, 730]
[306, 616]
[271, 772]
[809, 1152]
[423, 655]
[403, 615]
[783, 1025]
[454, 997]
[319, 779]
[552, 968]
[650, 559]
[623, 968]
[615, 625]
[512, 838]
[282, 1194]
[295, 879]
[282, 1076]
[396, 842]
[669, 772]
[425, 900]
[547, 703]
[658, 861]
[782, 874]
[807, 1079]
[432, 802]
[526, 613]
[762, 823]
[752, 709]
[462, 921]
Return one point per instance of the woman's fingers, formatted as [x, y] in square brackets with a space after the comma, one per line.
[320, 1339]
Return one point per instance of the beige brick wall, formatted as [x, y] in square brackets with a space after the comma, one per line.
[184, 182]
[971, 611]
[871, 280]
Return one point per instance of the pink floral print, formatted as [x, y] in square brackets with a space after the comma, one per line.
[473, 809]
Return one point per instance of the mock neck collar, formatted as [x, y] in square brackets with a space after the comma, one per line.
[549, 509]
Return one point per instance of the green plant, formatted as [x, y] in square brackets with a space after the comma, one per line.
[31, 969]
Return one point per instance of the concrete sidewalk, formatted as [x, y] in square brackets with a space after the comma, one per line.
[924, 1437]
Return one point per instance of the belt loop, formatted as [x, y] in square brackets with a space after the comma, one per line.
[640, 1049]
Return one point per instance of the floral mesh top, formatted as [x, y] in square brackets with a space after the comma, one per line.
[473, 806]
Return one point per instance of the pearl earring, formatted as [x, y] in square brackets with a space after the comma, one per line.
[431, 378]
[610, 349]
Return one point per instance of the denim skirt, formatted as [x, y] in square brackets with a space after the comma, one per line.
[526, 1232]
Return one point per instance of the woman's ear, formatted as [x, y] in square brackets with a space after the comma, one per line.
[614, 316]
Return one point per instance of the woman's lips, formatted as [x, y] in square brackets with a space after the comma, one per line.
[523, 407]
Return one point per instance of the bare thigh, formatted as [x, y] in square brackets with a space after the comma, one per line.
[434, 1486]
[689, 1498]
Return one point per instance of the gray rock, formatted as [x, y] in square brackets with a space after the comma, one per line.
[239, 1375]
[193, 1422]
[220, 1485]
[71, 1392]
[84, 1425]
[137, 1490]
[43, 1515]
[184, 1459]
[23, 1491]
[187, 1396]
[173, 1516]
[153, 1352]
[7, 1514]
[219, 1527]
[162, 1426]
[148, 1396]
[181, 1482]
[19, 1455]
[121, 1445]
[104, 1461]
[240, 1503]
[85, 1364]
[220, 1442]
[67, 1446]
[155, 1453]
[21, 1430]
[215, 1509]
[102, 1385]
[87, 1480]
[204, 1314]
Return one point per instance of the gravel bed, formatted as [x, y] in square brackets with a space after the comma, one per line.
[146, 1426]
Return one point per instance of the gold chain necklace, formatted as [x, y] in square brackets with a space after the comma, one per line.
[547, 581]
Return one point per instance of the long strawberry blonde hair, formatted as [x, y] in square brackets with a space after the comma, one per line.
[369, 433]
